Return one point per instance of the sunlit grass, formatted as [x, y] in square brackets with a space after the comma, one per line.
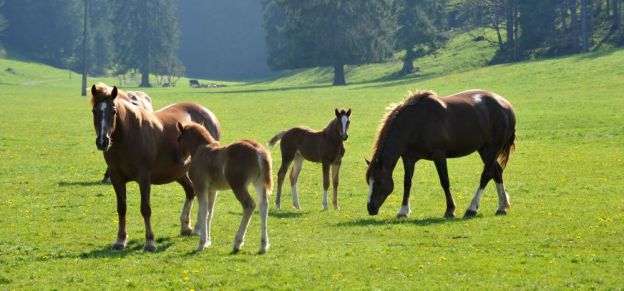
[564, 229]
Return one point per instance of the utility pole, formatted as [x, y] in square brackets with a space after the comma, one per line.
[84, 49]
[584, 32]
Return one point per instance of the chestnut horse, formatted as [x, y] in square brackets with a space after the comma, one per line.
[428, 127]
[234, 166]
[138, 98]
[325, 146]
[140, 145]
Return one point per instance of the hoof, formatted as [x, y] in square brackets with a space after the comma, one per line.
[297, 207]
[501, 212]
[149, 248]
[401, 216]
[449, 215]
[202, 246]
[106, 180]
[263, 249]
[186, 232]
[277, 206]
[470, 214]
[235, 251]
[119, 246]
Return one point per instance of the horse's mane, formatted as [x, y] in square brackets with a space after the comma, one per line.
[200, 130]
[103, 91]
[392, 111]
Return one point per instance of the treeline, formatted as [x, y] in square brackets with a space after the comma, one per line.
[121, 35]
[342, 32]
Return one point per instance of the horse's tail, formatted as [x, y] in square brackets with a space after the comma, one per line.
[264, 161]
[276, 138]
[503, 155]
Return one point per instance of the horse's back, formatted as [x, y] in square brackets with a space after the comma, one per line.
[190, 112]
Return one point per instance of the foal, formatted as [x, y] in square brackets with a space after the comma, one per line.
[326, 147]
[214, 167]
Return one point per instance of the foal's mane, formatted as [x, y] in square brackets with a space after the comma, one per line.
[200, 130]
[392, 111]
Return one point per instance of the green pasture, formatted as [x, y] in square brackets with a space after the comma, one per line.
[564, 231]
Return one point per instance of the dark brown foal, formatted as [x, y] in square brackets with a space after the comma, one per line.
[325, 147]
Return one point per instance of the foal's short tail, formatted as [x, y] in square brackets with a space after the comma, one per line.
[276, 138]
[264, 161]
[503, 156]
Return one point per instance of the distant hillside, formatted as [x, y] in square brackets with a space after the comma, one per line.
[464, 51]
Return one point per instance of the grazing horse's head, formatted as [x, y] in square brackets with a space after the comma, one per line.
[104, 113]
[380, 185]
[342, 118]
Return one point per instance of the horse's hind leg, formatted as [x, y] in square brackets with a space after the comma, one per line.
[503, 196]
[248, 207]
[294, 177]
[486, 176]
[440, 163]
[263, 201]
[281, 174]
[185, 216]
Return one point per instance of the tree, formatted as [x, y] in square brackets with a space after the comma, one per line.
[47, 31]
[3, 22]
[149, 33]
[421, 23]
[332, 33]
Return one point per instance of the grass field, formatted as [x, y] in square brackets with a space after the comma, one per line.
[566, 178]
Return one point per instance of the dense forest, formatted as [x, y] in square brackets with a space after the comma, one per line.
[227, 40]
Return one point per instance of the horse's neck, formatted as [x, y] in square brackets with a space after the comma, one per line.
[130, 123]
[331, 133]
[394, 144]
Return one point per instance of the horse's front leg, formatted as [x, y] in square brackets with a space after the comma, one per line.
[325, 183]
[408, 166]
[335, 169]
[120, 192]
[185, 216]
[146, 211]
[440, 163]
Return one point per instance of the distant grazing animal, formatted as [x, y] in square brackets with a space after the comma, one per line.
[140, 145]
[326, 147]
[426, 126]
[234, 166]
[138, 98]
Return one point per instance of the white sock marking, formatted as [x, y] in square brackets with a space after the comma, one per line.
[474, 205]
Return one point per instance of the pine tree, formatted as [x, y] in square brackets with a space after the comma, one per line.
[331, 33]
[421, 24]
[146, 35]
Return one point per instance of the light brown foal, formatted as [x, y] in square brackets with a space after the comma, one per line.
[325, 147]
[214, 167]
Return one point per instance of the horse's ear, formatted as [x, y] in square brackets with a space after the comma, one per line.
[93, 90]
[367, 162]
[179, 127]
[114, 92]
[349, 112]
[336, 112]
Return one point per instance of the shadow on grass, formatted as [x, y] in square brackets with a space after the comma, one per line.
[285, 214]
[392, 221]
[79, 183]
[133, 247]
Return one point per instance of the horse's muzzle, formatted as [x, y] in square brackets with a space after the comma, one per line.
[372, 210]
[102, 143]
[345, 137]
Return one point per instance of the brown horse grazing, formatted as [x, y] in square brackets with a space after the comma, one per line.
[138, 98]
[425, 126]
[325, 146]
[234, 166]
[141, 146]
